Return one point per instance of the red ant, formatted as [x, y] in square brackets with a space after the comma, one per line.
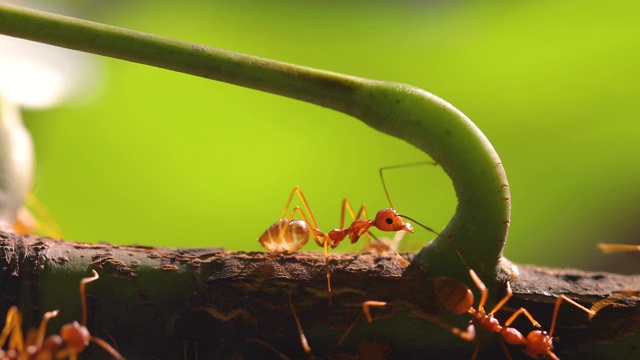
[73, 338]
[458, 299]
[289, 235]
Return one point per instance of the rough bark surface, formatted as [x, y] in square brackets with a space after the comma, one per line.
[209, 303]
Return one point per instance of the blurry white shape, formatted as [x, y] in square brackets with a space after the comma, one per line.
[16, 163]
[34, 75]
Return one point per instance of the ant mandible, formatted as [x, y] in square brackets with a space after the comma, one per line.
[73, 338]
[289, 235]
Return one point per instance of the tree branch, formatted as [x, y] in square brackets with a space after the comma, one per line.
[164, 303]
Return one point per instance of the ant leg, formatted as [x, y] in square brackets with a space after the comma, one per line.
[108, 348]
[519, 312]
[303, 338]
[504, 349]
[366, 312]
[42, 329]
[326, 262]
[484, 292]
[317, 235]
[504, 300]
[13, 328]
[614, 248]
[296, 190]
[83, 300]
[362, 214]
[324, 242]
[557, 307]
[268, 346]
[310, 220]
[8, 324]
[347, 205]
[476, 349]
[613, 298]
[467, 335]
[366, 308]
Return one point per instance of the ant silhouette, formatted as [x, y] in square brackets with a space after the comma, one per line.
[71, 341]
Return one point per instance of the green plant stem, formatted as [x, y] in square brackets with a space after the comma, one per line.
[481, 222]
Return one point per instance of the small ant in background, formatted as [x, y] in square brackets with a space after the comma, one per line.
[71, 341]
[289, 235]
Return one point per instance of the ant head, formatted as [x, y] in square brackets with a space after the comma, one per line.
[75, 336]
[389, 220]
[539, 343]
[52, 344]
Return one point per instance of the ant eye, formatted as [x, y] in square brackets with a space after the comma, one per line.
[389, 221]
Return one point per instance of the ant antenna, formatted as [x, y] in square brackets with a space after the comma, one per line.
[449, 238]
[303, 338]
[419, 223]
[400, 166]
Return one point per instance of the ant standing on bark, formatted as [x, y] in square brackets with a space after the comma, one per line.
[289, 235]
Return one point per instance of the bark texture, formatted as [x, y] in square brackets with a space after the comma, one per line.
[156, 303]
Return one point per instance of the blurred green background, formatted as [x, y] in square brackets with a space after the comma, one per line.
[161, 158]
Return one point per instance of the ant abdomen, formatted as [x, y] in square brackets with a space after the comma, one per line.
[454, 295]
[285, 236]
